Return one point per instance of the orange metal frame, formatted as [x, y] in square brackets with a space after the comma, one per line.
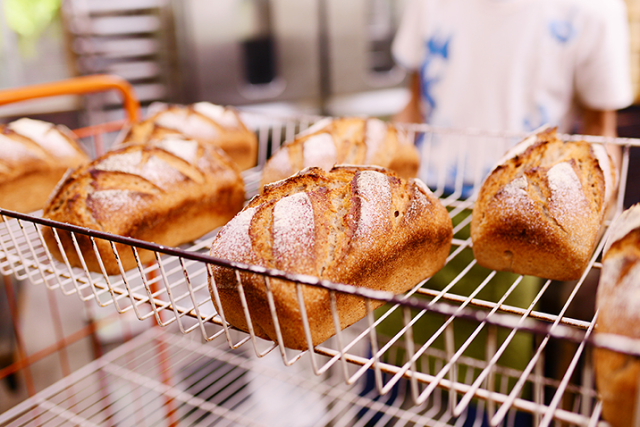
[75, 86]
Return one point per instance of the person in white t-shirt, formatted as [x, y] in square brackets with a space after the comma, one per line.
[514, 66]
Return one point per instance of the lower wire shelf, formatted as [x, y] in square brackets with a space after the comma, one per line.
[163, 378]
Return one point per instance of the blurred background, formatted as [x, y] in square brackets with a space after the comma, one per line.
[314, 56]
[319, 56]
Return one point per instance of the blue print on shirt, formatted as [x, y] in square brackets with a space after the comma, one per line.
[562, 30]
[437, 53]
[540, 118]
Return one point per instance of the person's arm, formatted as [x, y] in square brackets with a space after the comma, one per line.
[412, 112]
[600, 122]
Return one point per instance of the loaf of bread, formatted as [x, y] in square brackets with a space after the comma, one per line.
[169, 192]
[618, 305]
[204, 122]
[541, 211]
[34, 155]
[359, 225]
[352, 141]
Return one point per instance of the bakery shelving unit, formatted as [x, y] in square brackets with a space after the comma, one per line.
[467, 347]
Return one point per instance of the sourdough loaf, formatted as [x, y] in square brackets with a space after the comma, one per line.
[169, 192]
[34, 155]
[353, 141]
[541, 211]
[358, 225]
[618, 305]
[202, 121]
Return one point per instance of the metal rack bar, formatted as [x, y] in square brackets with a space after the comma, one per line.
[194, 255]
[77, 86]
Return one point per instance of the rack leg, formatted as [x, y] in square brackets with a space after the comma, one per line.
[14, 312]
[165, 364]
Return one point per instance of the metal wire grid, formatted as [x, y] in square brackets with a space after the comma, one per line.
[160, 378]
[174, 290]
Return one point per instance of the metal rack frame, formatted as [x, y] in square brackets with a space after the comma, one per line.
[175, 292]
[212, 386]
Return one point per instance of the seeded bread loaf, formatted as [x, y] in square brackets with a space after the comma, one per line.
[34, 155]
[363, 226]
[353, 141]
[169, 192]
[618, 305]
[542, 209]
[202, 121]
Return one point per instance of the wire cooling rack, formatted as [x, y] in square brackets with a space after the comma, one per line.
[467, 340]
[162, 378]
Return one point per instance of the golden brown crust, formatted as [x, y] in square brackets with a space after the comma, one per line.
[170, 192]
[541, 211]
[205, 122]
[350, 141]
[618, 375]
[34, 155]
[357, 225]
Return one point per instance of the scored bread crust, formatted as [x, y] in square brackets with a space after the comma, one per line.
[34, 155]
[357, 225]
[617, 302]
[541, 211]
[202, 121]
[170, 192]
[350, 140]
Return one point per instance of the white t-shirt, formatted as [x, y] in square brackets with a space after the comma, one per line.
[516, 64]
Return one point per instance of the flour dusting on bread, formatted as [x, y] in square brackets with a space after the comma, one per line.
[151, 168]
[47, 135]
[566, 188]
[293, 226]
[374, 194]
[233, 240]
[516, 190]
[320, 151]
[102, 203]
[184, 148]
[218, 113]
[13, 151]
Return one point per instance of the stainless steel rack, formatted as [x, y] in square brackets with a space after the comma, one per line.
[467, 345]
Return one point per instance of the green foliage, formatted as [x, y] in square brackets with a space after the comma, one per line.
[29, 18]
